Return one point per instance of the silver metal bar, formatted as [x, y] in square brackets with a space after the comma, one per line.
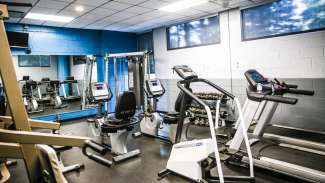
[121, 55]
[126, 155]
[296, 142]
[63, 90]
[248, 117]
[299, 129]
[115, 79]
[265, 117]
[290, 169]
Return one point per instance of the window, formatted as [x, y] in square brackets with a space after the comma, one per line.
[80, 59]
[35, 60]
[282, 18]
[195, 33]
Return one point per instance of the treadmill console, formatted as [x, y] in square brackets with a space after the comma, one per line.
[185, 72]
[100, 91]
[155, 88]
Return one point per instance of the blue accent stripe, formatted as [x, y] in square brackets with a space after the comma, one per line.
[68, 115]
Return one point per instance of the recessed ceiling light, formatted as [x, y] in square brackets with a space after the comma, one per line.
[181, 5]
[79, 8]
[53, 18]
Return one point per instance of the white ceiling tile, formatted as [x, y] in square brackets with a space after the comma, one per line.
[70, 13]
[134, 2]
[209, 7]
[55, 24]
[117, 5]
[18, 8]
[187, 12]
[92, 2]
[239, 3]
[52, 4]
[44, 10]
[30, 21]
[21, 1]
[91, 16]
[12, 20]
[154, 14]
[121, 15]
[154, 4]
[103, 11]
[138, 10]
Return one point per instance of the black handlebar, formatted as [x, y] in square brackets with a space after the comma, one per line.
[262, 96]
[96, 147]
[280, 99]
[301, 92]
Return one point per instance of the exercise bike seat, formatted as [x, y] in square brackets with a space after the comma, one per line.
[123, 117]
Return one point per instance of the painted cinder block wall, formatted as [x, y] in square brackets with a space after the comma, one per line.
[44, 40]
[298, 58]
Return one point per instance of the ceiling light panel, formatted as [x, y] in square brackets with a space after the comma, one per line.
[181, 5]
[46, 17]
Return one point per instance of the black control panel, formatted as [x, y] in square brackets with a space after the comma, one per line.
[261, 88]
[185, 72]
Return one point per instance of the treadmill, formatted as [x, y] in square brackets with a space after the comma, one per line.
[275, 148]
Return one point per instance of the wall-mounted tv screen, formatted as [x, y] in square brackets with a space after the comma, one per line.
[18, 39]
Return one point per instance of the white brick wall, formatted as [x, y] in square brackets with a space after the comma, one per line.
[293, 56]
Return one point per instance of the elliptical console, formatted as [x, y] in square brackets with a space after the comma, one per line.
[185, 72]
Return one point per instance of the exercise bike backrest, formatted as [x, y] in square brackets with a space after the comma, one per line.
[261, 88]
[125, 105]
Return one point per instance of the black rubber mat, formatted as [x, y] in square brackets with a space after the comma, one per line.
[296, 134]
[289, 155]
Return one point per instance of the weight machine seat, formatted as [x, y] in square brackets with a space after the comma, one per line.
[50, 164]
[123, 117]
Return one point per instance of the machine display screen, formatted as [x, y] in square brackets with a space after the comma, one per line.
[257, 77]
[99, 87]
[154, 83]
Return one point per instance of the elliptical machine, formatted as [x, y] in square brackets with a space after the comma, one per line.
[192, 159]
[28, 90]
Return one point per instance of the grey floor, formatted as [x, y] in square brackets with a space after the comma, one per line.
[143, 169]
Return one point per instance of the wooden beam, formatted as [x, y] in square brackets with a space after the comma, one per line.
[23, 137]
[35, 123]
[10, 150]
[5, 175]
[15, 100]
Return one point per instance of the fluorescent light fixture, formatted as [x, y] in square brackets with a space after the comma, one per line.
[79, 8]
[53, 18]
[181, 5]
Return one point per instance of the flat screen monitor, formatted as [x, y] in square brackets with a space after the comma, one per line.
[18, 39]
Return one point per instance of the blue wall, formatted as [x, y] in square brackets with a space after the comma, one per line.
[44, 40]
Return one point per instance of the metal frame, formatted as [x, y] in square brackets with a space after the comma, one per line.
[262, 113]
[145, 55]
